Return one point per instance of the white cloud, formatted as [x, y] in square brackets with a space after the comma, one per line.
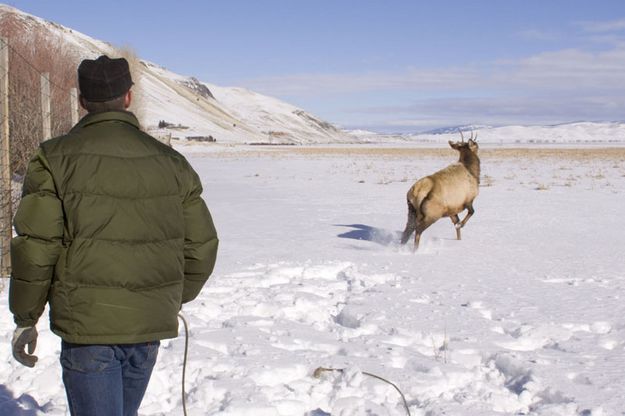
[602, 26]
[545, 88]
[330, 84]
[570, 69]
[538, 35]
[428, 113]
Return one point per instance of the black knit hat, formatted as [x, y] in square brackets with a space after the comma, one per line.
[103, 79]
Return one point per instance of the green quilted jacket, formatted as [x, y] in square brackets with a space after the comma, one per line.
[112, 232]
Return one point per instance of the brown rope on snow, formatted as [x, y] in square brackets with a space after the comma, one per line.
[184, 362]
[316, 374]
[320, 370]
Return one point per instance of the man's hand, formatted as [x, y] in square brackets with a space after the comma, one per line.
[21, 338]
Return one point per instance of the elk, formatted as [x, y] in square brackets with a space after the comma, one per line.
[445, 193]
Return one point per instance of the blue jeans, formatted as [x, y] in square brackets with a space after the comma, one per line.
[107, 380]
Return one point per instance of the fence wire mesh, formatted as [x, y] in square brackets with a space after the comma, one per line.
[30, 111]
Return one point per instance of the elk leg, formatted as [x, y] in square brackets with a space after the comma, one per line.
[469, 214]
[420, 228]
[411, 224]
[455, 219]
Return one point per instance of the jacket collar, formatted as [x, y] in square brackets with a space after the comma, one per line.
[93, 118]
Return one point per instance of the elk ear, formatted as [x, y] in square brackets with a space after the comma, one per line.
[453, 145]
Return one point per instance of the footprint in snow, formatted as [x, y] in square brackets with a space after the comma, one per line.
[478, 306]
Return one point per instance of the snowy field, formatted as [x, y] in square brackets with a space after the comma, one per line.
[524, 316]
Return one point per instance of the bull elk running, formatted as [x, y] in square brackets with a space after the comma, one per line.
[445, 193]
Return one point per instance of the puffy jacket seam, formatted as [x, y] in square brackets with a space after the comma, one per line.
[198, 243]
[135, 198]
[42, 193]
[201, 277]
[31, 282]
[150, 156]
[130, 242]
[117, 287]
[42, 239]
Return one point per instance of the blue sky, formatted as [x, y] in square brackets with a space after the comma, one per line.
[393, 66]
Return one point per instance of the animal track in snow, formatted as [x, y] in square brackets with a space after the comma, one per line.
[576, 281]
[479, 307]
[530, 338]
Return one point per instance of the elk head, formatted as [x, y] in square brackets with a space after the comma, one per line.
[463, 146]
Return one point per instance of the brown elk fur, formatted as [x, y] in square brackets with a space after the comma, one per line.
[445, 193]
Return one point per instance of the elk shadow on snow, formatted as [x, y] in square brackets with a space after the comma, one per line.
[368, 233]
[24, 405]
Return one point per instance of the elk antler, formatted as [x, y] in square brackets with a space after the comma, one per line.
[462, 136]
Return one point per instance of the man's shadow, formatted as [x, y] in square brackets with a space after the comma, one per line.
[25, 405]
[367, 233]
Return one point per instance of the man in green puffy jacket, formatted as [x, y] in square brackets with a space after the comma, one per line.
[112, 232]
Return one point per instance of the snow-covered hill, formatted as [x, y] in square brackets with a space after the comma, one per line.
[571, 133]
[229, 114]
[191, 108]
[579, 133]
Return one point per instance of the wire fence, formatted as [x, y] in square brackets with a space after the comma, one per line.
[38, 100]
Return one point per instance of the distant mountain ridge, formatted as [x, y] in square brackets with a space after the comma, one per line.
[571, 133]
[604, 133]
[456, 129]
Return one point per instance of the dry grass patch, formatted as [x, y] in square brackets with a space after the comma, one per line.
[615, 154]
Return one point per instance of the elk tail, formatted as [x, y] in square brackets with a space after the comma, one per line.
[419, 195]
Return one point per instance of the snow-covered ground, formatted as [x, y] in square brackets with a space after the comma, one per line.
[525, 315]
